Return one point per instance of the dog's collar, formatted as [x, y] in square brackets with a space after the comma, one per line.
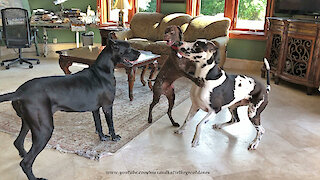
[174, 47]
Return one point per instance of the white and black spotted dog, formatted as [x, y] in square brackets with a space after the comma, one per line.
[222, 90]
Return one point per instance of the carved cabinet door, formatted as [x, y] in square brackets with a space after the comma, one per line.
[297, 57]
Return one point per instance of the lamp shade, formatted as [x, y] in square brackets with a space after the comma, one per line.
[122, 4]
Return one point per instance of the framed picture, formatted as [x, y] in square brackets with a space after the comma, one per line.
[174, 1]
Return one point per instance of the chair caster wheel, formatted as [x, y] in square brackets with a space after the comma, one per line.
[7, 67]
[20, 62]
[2, 64]
[38, 62]
[30, 66]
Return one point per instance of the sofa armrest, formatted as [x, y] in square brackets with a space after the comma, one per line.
[124, 35]
[222, 42]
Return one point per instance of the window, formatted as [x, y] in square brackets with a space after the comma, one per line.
[212, 7]
[251, 14]
[108, 15]
[147, 5]
[247, 16]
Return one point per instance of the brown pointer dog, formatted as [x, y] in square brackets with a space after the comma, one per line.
[88, 90]
[173, 68]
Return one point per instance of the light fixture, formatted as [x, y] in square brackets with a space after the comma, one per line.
[56, 2]
[121, 4]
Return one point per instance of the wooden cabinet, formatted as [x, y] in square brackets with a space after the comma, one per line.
[293, 48]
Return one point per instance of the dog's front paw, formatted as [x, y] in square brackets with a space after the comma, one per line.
[150, 120]
[179, 131]
[253, 145]
[116, 138]
[195, 142]
[200, 82]
[216, 126]
[176, 124]
[104, 137]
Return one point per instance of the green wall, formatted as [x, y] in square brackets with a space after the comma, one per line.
[48, 4]
[246, 49]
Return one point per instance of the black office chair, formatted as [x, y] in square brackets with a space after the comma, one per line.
[16, 33]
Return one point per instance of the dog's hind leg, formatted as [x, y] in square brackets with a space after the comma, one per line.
[193, 110]
[234, 118]
[108, 114]
[19, 142]
[155, 100]
[254, 112]
[171, 97]
[196, 137]
[97, 123]
[41, 133]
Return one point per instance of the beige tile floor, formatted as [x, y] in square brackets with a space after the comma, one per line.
[289, 149]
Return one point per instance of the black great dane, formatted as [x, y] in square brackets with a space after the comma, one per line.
[38, 99]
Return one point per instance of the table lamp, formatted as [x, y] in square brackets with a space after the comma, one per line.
[121, 4]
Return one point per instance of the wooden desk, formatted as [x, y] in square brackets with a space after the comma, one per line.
[87, 55]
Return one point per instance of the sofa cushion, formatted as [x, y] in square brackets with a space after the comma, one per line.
[139, 43]
[207, 27]
[178, 19]
[144, 24]
[159, 47]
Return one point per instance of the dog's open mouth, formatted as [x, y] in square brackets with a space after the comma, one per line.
[127, 62]
[170, 42]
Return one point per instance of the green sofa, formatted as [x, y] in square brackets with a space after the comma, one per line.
[147, 29]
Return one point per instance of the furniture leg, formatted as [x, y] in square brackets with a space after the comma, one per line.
[64, 65]
[144, 68]
[131, 78]
[276, 80]
[36, 42]
[263, 73]
[310, 90]
[45, 39]
[152, 73]
[77, 38]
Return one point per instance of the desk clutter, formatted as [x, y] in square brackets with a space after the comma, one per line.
[68, 16]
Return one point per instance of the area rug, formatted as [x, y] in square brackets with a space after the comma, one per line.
[75, 132]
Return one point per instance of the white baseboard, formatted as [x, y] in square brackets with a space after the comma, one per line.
[243, 64]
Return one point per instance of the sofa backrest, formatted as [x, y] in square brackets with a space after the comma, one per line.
[144, 24]
[207, 27]
[178, 19]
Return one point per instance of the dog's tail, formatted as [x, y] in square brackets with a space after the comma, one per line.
[8, 97]
[266, 63]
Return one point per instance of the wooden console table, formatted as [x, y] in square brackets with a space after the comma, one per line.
[87, 55]
[293, 51]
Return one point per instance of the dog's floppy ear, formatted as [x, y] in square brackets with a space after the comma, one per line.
[180, 33]
[212, 46]
[111, 42]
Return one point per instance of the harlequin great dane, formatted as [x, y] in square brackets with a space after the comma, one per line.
[88, 90]
[222, 90]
